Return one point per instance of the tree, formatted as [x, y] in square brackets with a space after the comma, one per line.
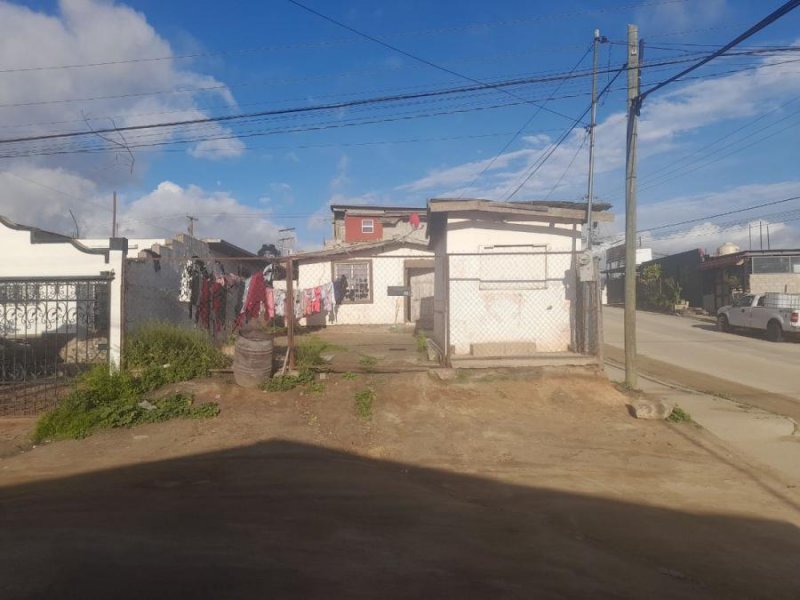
[269, 250]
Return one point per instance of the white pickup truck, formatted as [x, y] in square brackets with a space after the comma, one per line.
[776, 314]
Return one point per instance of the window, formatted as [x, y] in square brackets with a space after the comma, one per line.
[776, 264]
[358, 275]
[367, 225]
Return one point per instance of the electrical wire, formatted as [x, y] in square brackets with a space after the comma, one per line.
[527, 122]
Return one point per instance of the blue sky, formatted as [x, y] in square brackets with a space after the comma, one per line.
[267, 55]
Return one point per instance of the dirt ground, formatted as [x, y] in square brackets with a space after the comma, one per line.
[514, 485]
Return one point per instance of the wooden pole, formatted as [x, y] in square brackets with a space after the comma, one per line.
[631, 375]
[290, 312]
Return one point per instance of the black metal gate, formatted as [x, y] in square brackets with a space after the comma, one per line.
[51, 329]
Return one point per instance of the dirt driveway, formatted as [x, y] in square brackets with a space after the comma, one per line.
[510, 486]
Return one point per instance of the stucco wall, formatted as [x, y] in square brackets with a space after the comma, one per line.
[388, 269]
[788, 283]
[440, 292]
[508, 299]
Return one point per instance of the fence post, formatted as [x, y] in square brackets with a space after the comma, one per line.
[290, 313]
[598, 330]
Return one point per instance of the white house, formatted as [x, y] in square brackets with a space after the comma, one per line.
[506, 276]
[388, 282]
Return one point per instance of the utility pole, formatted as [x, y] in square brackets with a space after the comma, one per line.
[769, 246]
[592, 126]
[191, 224]
[114, 218]
[761, 235]
[634, 103]
[750, 234]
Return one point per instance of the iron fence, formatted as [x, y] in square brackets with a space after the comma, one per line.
[50, 331]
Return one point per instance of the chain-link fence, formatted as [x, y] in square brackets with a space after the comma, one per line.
[515, 302]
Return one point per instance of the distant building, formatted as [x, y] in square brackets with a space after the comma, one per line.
[354, 224]
[614, 272]
[748, 271]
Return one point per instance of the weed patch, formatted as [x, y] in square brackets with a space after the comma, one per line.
[102, 400]
[310, 350]
[368, 363]
[364, 400]
[284, 383]
[157, 354]
[349, 376]
[422, 343]
[678, 415]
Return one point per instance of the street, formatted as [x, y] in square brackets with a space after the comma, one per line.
[691, 352]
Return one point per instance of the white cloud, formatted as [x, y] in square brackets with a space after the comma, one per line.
[666, 120]
[341, 179]
[93, 31]
[783, 219]
[679, 16]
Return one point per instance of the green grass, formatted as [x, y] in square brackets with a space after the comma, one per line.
[368, 363]
[310, 350]
[349, 376]
[422, 343]
[364, 400]
[284, 383]
[678, 415]
[157, 354]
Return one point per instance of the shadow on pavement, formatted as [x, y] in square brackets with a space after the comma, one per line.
[287, 520]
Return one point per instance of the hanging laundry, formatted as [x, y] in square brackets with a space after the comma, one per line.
[185, 292]
[218, 304]
[270, 301]
[328, 300]
[280, 303]
[414, 221]
[316, 302]
[255, 298]
[340, 289]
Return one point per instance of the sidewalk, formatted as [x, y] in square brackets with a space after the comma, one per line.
[769, 439]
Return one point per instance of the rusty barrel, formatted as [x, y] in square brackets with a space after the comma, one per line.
[252, 358]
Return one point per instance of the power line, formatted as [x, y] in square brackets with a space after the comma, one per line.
[543, 159]
[768, 20]
[526, 123]
[343, 42]
[412, 56]
[569, 166]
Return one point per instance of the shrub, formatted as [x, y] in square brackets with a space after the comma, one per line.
[157, 354]
[163, 353]
[678, 415]
[284, 383]
[102, 399]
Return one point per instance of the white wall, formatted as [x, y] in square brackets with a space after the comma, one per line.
[388, 269]
[63, 259]
[440, 288]
[535, 308]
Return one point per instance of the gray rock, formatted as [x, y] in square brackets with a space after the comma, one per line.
[443, 374]
[652, 409]
[146, 405]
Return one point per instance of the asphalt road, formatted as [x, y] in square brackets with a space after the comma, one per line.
[733, 364]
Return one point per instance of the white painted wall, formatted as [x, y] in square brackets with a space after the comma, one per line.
[63, 259]
[536, 310]
[388, 269]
